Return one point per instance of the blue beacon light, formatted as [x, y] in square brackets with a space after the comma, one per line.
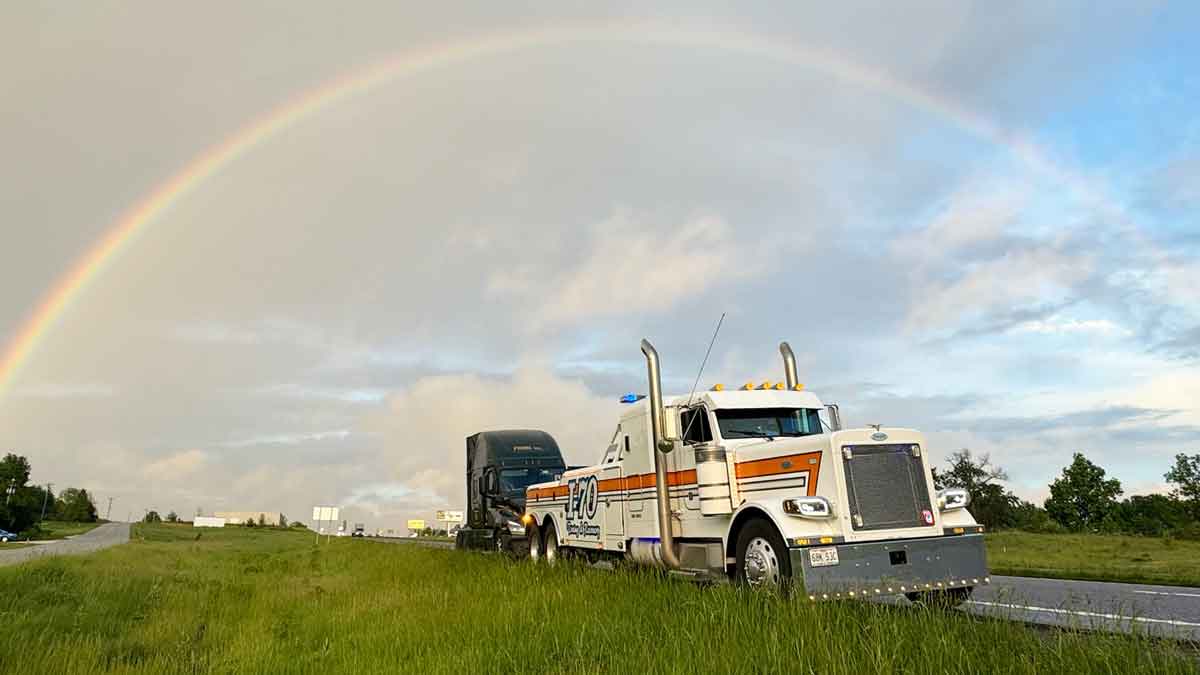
[632, 398]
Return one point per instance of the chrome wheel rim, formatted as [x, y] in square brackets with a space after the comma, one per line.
[535, 546]
[762, 564]
[551, 547]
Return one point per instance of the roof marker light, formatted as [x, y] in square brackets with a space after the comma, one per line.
[766, 385]
[748, 386]
[718, 387]
[779, 386]
[798, 387]
[632, 398]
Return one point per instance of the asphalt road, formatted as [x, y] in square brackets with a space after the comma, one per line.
[108, 534]
[1166, 611]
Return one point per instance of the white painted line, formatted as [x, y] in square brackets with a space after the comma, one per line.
[1180, 595]
[1077, 612]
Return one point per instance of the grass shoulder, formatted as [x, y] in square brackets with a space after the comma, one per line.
[4, 546]
[1095, 557]
[59, 529]
[182, 599]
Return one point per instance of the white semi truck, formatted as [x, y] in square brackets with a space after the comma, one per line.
[761, 485]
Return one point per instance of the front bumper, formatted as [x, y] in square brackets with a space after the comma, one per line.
[894, 566]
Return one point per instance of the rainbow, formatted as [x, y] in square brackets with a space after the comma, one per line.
[124, 231]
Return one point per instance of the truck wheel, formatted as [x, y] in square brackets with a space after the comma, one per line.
[947, 599]
[535, 542]
[762, 558]
[550, 544]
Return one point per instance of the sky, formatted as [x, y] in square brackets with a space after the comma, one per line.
[973, 220]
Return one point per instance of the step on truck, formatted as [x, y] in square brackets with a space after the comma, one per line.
[500, 465]
[762, 485]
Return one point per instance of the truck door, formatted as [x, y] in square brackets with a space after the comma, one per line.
[612, 493]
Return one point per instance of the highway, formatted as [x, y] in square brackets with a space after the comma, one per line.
[1165, 611]
[108, 534]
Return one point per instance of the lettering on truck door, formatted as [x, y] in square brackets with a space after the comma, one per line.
[583, 512]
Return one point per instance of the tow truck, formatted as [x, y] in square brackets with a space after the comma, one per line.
[763, 487]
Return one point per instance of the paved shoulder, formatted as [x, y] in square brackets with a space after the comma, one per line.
[1169, 611]
[108, 534]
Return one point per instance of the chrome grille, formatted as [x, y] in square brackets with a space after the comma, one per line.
[886, 486]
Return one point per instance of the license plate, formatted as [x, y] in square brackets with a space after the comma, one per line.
[822, 557]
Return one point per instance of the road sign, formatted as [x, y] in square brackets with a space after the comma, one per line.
[449, 516]
[416, 524]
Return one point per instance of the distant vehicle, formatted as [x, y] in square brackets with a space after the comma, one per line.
[359, 530]
[500, 465]
[6, 536]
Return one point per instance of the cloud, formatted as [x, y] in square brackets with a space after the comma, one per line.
[176, 467]
[624, 257]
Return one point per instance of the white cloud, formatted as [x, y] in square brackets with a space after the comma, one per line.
[1063, 326]
[176, 467]
[630, 265]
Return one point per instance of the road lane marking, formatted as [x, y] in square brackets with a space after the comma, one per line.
[1181, 595]
[1079, 612]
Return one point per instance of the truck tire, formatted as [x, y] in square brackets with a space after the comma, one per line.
[762, 558]
[534, 533]
[550, 549]
[945, 599]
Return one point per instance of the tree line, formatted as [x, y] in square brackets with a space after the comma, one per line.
[1082, 499]
[23, 506]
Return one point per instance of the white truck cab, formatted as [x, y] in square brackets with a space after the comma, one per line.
[762, 485]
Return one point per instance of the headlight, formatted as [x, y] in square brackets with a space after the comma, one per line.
[953, 498]
[808, 507]
[515, 527]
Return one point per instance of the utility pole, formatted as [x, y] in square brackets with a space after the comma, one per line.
[109, 511]
[45, 498]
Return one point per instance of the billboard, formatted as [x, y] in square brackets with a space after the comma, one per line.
[449, 516]
[325, 513]
[208, 521]
[416, 524]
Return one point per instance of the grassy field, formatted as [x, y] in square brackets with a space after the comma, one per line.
[1098, 557]
[175, 600]
[13, 544]
[57, 529]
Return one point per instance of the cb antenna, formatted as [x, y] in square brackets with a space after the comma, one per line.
[702, 364]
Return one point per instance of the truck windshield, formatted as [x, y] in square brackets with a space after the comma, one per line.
[516, 480]
[768, 422]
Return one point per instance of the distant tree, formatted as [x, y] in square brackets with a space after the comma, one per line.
[1082, 497]
[75, 505]
[262, 520]
[283, 522]
[1186, 477]
[172, 517]
[1149, 515]
[152, 517]
[427, 532]
[20, 503]
[1030, 517]
[991, 504]
[298, 525]
[249, 522]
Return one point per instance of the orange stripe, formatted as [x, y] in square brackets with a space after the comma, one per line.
[758, 468]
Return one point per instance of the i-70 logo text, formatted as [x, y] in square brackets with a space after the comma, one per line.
[582, 498]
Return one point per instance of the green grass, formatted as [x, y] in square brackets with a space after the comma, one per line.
[13, 544]
[178, 600]
[1097, 557]
[57, 529]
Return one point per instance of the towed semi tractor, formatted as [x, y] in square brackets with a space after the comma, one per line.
[500, 465]
[763, 486]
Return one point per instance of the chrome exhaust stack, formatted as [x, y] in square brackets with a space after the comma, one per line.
[662, 445]
[789, 366]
